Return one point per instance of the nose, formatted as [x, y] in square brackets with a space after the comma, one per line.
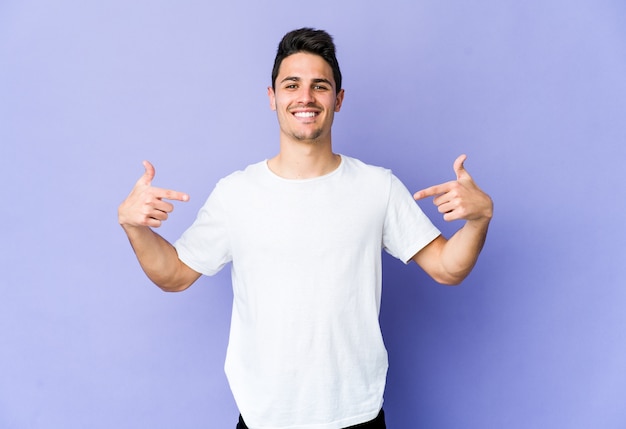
[305, 95]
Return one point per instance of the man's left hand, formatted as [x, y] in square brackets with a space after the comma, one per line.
[460, 198]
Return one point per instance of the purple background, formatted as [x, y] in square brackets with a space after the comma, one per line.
[534, 92]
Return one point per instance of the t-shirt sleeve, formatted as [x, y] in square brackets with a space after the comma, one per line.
[407, 229]
[205, 245]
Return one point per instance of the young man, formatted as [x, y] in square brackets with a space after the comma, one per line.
[304, 231]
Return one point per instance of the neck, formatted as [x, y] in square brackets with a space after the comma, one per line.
[304, 160]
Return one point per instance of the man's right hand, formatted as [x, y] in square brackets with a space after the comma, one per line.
[145, 205]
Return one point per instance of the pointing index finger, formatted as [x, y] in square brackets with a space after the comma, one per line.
[169, 194]
[432, 191]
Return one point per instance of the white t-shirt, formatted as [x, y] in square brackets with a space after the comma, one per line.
[305, 347]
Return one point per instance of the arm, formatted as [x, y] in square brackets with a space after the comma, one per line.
[451, 261]
[142, 210]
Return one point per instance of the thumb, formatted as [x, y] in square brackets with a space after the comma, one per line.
[459, 168]
[148, 175]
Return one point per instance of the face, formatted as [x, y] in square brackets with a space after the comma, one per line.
[305, 98]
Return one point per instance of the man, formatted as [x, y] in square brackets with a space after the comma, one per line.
[304, 231]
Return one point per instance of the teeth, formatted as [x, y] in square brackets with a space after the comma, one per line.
[304, 114]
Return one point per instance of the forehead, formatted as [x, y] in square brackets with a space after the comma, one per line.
[305, 65]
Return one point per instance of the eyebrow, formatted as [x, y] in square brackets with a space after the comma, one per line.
[298, 79]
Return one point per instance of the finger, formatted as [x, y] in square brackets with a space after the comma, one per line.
[159, 215]
[432, 191]
[146, 180]
[459, 168]
[169, 194]
[153, 223]
[165, 194]
[448, 207]
[148, 175]
[161, 206]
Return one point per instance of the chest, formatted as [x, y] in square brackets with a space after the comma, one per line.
[309, 219]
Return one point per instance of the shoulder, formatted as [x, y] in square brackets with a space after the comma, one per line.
[251, 173]
[237, 184]
[358, 167]
[374, 176]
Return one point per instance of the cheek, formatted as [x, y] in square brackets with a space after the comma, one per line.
[279, 104]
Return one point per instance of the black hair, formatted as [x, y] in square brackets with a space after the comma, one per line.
[308, 40]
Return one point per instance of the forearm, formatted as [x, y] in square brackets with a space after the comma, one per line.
[460, 253]
[158, 258]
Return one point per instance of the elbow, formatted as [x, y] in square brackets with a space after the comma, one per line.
[172, 288]
[449, 280]
[169, 285]
[176, 280]
[452, 276]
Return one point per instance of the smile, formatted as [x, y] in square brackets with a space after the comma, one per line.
[305, 114]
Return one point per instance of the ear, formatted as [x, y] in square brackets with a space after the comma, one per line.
[272, 96]
[339, 100]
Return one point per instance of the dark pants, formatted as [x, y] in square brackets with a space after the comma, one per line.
[377, 423]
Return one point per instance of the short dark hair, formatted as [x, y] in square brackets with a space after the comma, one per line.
[308, 40]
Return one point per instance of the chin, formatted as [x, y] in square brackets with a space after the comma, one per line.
[313, 137]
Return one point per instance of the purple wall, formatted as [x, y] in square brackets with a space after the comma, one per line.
[534, 92]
